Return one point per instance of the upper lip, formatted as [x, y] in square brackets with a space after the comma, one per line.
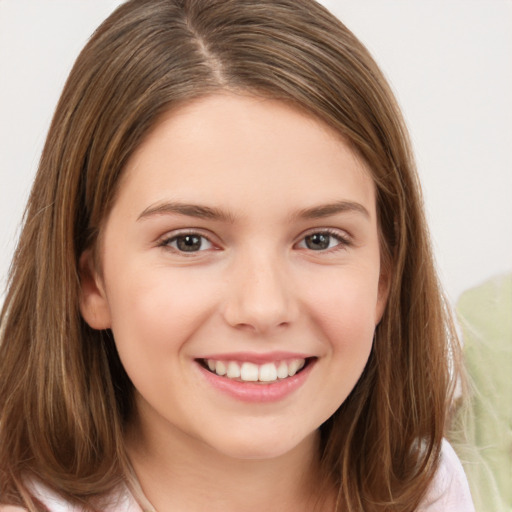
[256, 357]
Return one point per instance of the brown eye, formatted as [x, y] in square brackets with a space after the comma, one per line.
[318, 241]
[189, 243]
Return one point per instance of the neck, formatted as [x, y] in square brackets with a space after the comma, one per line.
[180, 473]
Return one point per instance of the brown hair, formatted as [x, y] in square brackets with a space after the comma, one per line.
[64, 396]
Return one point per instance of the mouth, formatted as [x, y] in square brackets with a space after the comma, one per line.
[266, 373]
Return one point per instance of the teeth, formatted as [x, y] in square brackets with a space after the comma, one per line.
[250, 372]
[293, 367]
[268, 372]
[220, 368]
[282, 370]
[233, 370]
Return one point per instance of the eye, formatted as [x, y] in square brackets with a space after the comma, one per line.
[188, 242]
[322, 241]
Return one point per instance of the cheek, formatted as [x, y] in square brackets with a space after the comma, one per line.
[343, 307]
[157, 312]
[153, 320]
[342, 315]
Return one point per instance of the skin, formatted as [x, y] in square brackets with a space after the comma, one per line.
[256, 286]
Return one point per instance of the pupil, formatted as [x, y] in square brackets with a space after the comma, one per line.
[189, 243]
[317, 241]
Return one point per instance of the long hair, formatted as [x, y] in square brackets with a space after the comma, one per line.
[64, 396]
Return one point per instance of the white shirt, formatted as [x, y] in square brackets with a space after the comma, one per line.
[449, 492]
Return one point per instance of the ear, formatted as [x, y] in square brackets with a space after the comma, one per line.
[93, 300]
[383, 292]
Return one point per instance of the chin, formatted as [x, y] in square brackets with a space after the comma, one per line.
[257, 446]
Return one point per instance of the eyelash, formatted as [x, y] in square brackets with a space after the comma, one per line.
[343, 241]
[166, 242]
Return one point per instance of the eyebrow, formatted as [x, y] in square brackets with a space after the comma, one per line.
[212, 213]
[328, 210]
[190, 210]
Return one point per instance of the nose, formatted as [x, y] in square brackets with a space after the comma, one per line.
[261, 297]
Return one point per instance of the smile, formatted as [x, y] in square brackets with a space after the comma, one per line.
[251, 372]
[256, 379]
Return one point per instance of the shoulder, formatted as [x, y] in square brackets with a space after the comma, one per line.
[449, 489]
[121, 501]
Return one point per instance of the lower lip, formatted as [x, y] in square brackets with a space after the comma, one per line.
[257, 392]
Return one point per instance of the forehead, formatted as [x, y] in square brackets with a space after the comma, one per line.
[247, 150]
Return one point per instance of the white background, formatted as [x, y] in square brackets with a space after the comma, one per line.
[449, 62]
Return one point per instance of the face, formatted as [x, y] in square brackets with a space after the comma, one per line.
[240, 275]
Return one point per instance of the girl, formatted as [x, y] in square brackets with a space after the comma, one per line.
[223, 296]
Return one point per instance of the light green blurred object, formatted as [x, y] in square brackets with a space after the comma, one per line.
[485, 316]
